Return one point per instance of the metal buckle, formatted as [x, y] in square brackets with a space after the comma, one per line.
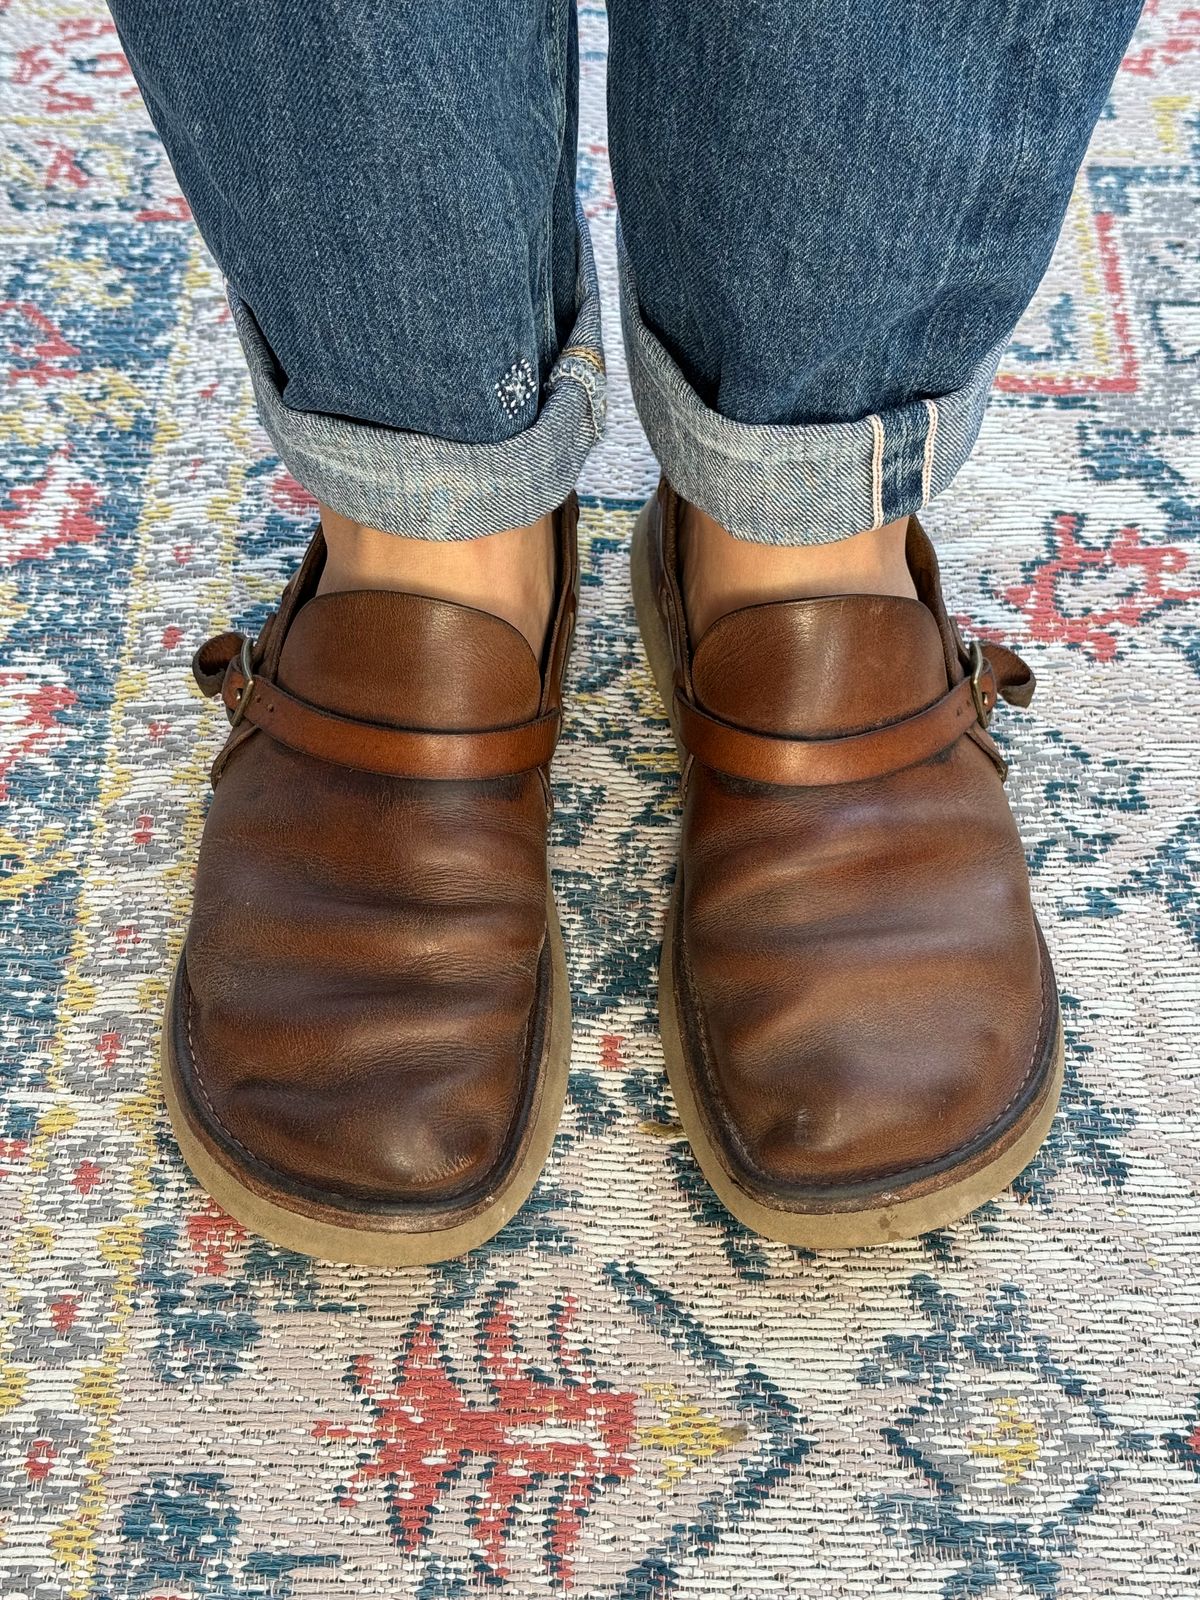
[978, 662]
[246, 663]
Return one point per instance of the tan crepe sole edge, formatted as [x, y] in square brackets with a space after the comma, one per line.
[379, 1248]
[895, 1218]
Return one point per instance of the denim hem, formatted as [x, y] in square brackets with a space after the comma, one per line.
[424, 487]
[804, 483]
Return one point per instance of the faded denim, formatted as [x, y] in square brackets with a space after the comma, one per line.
[833, 213]
[389, 189]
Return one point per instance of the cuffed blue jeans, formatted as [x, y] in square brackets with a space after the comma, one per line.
[832, 214]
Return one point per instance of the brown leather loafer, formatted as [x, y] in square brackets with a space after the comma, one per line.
[858, 1012]
[367, 1041]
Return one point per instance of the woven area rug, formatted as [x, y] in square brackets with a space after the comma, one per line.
[626, 1395]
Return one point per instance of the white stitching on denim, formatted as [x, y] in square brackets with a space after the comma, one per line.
[585, 368]
[876, 470]
[516, 387]
[927, 465]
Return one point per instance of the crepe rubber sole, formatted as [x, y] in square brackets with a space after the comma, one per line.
[900, 1211]
[377, 1239]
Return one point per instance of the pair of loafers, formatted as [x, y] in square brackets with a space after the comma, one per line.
[368, 1035]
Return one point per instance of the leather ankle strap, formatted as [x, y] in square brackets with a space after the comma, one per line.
[851, 758]
[254, 700]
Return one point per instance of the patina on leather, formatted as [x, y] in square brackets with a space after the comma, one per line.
[865, 1000]
[362, 1005]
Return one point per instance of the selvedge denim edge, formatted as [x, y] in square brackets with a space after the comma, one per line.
[423, 487]
[808, 483]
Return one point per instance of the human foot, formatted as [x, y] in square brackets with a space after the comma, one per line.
[367, 1040]
[511, 574]
[721, 573]
[858, 1012]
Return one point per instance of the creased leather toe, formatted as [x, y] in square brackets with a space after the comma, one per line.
[369, 1030]
[859, 1008]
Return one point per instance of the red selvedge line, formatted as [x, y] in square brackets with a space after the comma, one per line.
[1124, 381]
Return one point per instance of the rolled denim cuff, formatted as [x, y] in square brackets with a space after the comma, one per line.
[429, 488]
[803, 483]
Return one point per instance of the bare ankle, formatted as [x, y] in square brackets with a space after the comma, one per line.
[511, 574]
[722, 573]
